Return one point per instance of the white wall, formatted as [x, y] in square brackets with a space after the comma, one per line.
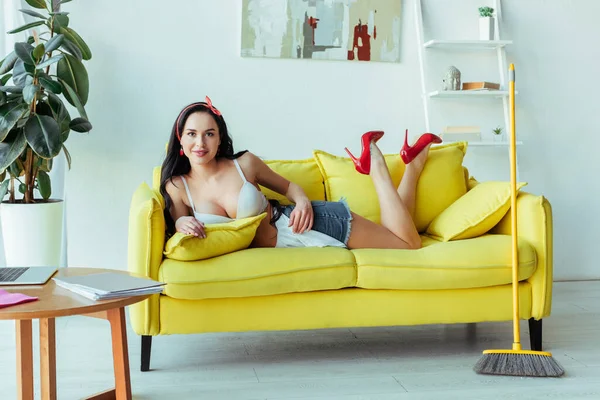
[152, 57]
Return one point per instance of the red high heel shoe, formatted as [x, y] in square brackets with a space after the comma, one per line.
[408, 153]
[363, 164]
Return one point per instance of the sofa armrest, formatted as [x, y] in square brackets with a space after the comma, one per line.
[534, 224]
[145, 253]
[146, 232]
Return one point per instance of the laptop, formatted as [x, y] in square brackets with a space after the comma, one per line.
[25, 275]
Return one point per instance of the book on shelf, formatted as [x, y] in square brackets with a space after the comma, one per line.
[480, 86]
[109, 285]
[461, 133]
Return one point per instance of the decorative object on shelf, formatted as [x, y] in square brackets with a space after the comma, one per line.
[498, 134]
[480, 86]
[35, 79]
[451, 80]
[461, 133]
[486, 23]
[359, 30]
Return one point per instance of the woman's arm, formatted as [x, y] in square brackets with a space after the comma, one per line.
[270, 179]
[301, 218]
[184, 223]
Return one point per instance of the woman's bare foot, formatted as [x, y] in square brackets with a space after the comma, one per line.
[377, 159]
[418, 163]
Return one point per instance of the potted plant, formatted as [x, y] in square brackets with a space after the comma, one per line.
[486, 23]
[497, 134]
[34, 126]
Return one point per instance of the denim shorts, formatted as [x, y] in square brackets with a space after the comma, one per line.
[330, 217]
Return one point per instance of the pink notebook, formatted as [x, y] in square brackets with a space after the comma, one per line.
[11, 299]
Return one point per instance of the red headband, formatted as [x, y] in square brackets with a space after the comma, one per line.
[208, 104]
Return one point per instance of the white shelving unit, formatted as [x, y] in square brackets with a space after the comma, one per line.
[468, 93]
[497, 46]
[466, 44]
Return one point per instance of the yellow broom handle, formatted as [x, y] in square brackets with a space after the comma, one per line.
[513, 211]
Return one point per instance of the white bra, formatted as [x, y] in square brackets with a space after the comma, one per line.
[251, 202]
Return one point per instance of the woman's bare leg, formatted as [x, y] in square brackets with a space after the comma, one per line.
[408, 184]
[395, 216]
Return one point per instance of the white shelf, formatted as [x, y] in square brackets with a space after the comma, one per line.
[468, 93]
[484, 143]
[466, 44]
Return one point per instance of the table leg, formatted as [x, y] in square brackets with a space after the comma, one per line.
[24, 360]
[116, 317]
[48, 358]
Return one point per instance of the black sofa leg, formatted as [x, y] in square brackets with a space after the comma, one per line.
[535, 334]
[146, 346]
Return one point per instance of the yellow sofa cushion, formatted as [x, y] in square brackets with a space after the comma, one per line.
[304, 173]
[441, 183]
[473, 214]
[260, 272]
[460, 264]
[220, 239]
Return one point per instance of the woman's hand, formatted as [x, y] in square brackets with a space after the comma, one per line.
[190, 226]
[301, 218]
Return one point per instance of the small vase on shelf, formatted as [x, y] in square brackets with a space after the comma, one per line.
[498, 135]
[486, 23]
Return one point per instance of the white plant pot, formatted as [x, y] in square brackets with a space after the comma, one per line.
[32, 233]
[486, 28]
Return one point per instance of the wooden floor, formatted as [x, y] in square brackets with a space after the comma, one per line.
[425, 362]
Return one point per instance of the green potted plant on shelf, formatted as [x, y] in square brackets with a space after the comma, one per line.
[486, 23]
[35, 124]
[498, 137]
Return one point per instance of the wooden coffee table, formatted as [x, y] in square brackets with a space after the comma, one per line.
[55, 301]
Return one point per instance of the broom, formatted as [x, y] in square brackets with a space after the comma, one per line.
[516, 362]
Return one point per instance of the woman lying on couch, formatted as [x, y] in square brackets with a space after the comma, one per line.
[201, 178]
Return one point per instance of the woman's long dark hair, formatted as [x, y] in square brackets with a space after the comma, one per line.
[176, 165]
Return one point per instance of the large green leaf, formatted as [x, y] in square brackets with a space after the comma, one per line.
[8, 63]
[74, 37]
[5, 79]
[11, 89]
[24, 51]
[29, 92]
[80, 125]
[72, 71]
[9, 115]
[17, 168]
[49, 61]
[26, 26]
[21, 71]
[44, 186]
[43, 135]
[41, 4]
[33, 14]
[67, 155]
[4, 189]
[39, 51]
[11, 148]
[51, 85]
[61, 115]
[54, 42]
[72, 48]
[68, 89]
[59, 22]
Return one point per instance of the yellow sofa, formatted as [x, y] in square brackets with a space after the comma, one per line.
[463, 279]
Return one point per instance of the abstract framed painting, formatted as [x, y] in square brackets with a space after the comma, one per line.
[351, 30]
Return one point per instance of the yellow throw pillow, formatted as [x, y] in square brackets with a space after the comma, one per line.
[343, 181]
[441, 183]
[220, 239]
[304, 173]
[475, 213]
